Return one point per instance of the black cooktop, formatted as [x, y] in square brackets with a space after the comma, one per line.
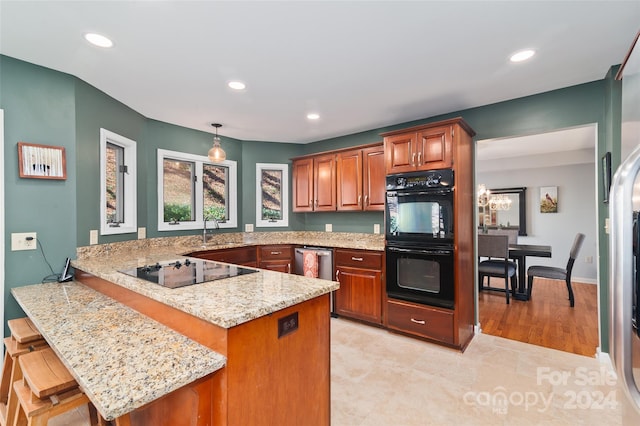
[185, 272]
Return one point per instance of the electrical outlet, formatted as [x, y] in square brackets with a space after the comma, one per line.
[328, 227]
[93, 237]
[142, 233]
[248, 227]
[588, 259]
[376, 228]
[24, 241]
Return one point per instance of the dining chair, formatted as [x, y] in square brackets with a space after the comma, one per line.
[496, 249]
[554, 273]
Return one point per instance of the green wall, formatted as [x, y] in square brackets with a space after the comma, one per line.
[39, 106]
[96, 110]
[49, 107]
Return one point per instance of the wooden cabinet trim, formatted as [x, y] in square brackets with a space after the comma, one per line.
[458, 120]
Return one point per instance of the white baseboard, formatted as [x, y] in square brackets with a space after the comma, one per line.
[584, 280]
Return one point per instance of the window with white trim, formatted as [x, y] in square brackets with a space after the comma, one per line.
[118, 201]
[192, 189]
[272, 195]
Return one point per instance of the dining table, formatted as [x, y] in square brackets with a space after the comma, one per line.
[519, 253]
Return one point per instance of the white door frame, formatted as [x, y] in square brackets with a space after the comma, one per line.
[2, 269]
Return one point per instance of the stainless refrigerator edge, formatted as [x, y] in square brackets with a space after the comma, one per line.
[624, 244]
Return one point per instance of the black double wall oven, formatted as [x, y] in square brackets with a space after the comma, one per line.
[419, 237]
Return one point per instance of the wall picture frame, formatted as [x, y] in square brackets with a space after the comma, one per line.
[548, 199]
[36, 161]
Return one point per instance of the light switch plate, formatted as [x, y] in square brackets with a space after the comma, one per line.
[93, 237]
[376, 228]
[24, 241]
[248, 227]
[328, 227]
[142, 233]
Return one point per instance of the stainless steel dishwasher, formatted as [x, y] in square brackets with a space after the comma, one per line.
[325, 266]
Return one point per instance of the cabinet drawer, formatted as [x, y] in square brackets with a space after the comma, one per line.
[422, 320]
[276, 252]
[359, 259]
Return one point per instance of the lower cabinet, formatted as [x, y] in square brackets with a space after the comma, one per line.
[277, 257]
[244, 256]
[425, 321]
[360, 275]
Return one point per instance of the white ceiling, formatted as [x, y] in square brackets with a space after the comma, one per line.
[360, 64]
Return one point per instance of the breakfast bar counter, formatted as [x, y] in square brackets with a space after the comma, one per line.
[121, 359]
[272, 328]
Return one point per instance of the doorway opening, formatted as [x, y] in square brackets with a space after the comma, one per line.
[564, 160]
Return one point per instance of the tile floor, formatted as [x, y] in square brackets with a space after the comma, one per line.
[381, 378]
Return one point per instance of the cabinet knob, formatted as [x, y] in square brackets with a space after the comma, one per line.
[288, 268]
[419, 158]
[276, 252]
[422, 322]
[357, 259]
[337, 274]
[413, 159]
[359, 198]
[366, 200]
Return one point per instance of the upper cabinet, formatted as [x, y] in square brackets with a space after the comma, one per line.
[425, 147]
[314, 183]
[360, 181]
[343, 180]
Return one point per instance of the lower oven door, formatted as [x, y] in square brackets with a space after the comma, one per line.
[421, 275]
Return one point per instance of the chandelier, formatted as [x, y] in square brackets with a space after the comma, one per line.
[493, 201]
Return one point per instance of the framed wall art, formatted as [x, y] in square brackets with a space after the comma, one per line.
[549, 199]
[41, 161]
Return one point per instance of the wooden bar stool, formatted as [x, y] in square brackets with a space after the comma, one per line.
[46, 390]
[24, 338]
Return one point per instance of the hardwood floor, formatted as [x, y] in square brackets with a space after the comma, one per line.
[547, 319]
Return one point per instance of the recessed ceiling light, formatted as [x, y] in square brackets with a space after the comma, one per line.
[98, 40]
[522, 55]
[313, 116]
[237, 85]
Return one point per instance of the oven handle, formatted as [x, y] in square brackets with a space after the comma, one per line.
[437, 252]
[429, 192]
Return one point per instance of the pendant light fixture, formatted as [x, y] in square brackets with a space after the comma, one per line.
[216, 153]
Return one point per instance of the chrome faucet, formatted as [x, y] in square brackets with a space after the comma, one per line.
[204, 229]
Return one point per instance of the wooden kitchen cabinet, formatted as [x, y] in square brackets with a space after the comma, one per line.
[425, 147]
[424, 321]
[277, 257]
[361, 179]
[245, 256]
[445, 144]
[373, 178]
[360, 275]
[314, 183]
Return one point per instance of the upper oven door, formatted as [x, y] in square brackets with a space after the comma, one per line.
[423, 215]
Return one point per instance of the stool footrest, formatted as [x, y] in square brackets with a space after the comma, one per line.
[33, 406]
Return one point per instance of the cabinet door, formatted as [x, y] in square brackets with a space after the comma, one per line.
[324, 182]
[349, 180]
[434, 148]
[373, 178]
[359, 295]
[303, 185]
[400, 153]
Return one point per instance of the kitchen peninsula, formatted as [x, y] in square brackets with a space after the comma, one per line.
[272, 328]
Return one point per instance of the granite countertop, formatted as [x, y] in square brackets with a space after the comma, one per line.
[228, 302]
[225, 303]
[119, 357]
